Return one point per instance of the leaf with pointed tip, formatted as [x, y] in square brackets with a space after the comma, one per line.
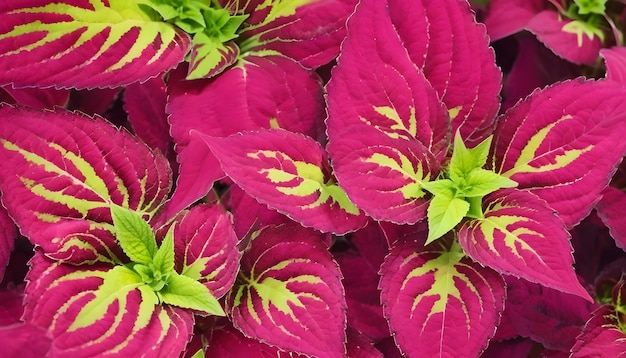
[86, 310]
[288, 172]
[205, 247]
[568, 39]
[562, 146]
[210, 57]
[446, 43]
[60, 172]
[439, 302]
[601, 336]
[610, 209]
[289, 293]
[70, 44]
[615, 60]
[444, 213]
[520, 235]
[384, 177]
[309, 31]
[261, 92]
[134, 235]
[376, 89]
[182, 291]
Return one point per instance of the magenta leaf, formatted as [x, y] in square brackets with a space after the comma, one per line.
[562, 146]
[308, 31]
[8, 234]
[601, 336]
[438, 301]
[205, 247]
[548, 316]
[227, 342]
[288, 172]
[567, 38]
[611, 210]
[615, 59]
[60, 172]
[444, 41]
[507, 17]
[260, 92]
[289, 293]
[39, 98]
[520, 235]
[84, 44]
[249, 215]
[87, 310]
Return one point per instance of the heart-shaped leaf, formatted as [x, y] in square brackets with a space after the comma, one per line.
[520, 235]
[562, 146]
[439, 302]
[289, 293]
[60, 172]
[84, 44]
[288, 172]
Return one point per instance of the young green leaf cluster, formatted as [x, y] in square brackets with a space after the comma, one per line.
[154, 266]
[459, 193]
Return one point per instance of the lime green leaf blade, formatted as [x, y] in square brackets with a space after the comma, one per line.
[444, 213]
[134, 235]
[185, 292]
[164, 257]
[481, 182]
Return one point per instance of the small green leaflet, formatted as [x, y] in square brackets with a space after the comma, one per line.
[134, 235]
[460, 194]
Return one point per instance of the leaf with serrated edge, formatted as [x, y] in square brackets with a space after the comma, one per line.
[439, 303]
[289, 293]
[520, 235]
[185, 292]
[134, 235]
[84, 312]
[563, 146]
[601, 336]
[8, 234]
[289, 172]
[84, 44]
[205, 247]
[60, 172]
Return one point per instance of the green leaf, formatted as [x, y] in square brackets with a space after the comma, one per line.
[480, 182]
[465, 160]
[444, 212]
[591, 6]
[134, 235]
[164, 258]
[185, 292]
[443, 187]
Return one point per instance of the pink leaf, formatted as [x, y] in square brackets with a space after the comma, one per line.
[205, 247]
[548, 316]
[288, 172]
[39, 98]
[60, 172]
[97, 311]
[520, 235]
[309, 31]
[444, 41]
[611, 210]
[601, 336]
[8, 234]
[260, 92]
[439, 302]
[615, 59]
[145, 105]
[249, 215]
[289, 293]
[507, 17]
[70, 44]
[563, 146]
[550, 28]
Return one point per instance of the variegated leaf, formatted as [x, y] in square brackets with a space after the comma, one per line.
[439, 302]
[205, 247]
[60, 172]
[288, 172]
[102, 310]
[260, 92]
[520, 235]
[564, 146]
[384, 177]
[289, 293]
[84, 44]
[309, 31]
[601, 336]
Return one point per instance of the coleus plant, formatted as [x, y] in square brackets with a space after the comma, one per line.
[465, 214]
